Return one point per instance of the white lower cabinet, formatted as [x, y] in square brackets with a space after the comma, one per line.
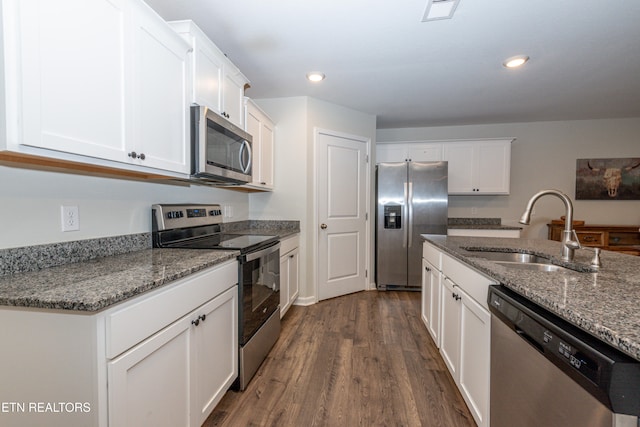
[177, 376]
[474, 359]
[164, 358]
[149, 385]
[464, 322]
[289, 267]
[431, 289]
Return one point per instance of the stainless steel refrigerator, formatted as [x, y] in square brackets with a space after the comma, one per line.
[412, 200]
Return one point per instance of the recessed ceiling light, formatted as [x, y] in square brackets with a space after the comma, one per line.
[515, 61]
[315, 76]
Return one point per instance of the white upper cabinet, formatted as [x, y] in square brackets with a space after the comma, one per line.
[475, 166]
[261, 128]
[70, 77]
[217, 82]
[104, 79]
[413, 151]
[479, 167]
[161, 88]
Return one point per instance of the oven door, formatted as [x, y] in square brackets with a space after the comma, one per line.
[259, 289]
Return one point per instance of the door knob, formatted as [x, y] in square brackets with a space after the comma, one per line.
[323, 226]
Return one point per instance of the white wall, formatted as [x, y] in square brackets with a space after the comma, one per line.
[30, 203]
[293, 197]
[543, 156]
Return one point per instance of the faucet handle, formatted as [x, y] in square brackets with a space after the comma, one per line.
[575, 243]
[595, 261]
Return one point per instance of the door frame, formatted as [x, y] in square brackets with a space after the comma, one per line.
[315, 241]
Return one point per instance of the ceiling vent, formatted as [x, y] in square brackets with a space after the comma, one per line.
[439, 9]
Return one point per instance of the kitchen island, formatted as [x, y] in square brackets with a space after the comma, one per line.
[603, 303]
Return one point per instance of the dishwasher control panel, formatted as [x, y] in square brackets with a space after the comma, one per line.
[553, 342]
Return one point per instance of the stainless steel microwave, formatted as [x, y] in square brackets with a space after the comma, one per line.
[220, 150]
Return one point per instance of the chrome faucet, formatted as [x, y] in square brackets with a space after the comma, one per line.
[568, 244]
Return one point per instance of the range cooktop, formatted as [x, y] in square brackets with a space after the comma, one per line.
[197, 226]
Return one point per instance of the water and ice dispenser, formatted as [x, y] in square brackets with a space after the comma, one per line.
[393, 216]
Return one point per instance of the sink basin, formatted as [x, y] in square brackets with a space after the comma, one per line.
[511, 257]
[533, 266]
[522, 261]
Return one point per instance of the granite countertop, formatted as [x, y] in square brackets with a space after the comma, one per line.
[89, 283]
[479, 224]
[96, 284]
[603, 303]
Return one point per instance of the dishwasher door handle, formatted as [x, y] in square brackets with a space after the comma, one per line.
[529, 339]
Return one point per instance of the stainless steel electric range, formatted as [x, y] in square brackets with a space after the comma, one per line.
[195, 226]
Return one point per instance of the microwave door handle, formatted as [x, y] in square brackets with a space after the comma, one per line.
[247, 147]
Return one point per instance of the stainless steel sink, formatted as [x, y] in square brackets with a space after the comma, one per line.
[533, 266]
[515, 257]
[522, 261]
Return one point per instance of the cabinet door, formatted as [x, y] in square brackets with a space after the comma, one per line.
[233, 94]
[289, 282]
[161, 88]
[450, 327]
[208, 71]
[425, 152]
[492, 167]
[284, 285]
[267, 140]
[149, 384]
[431, 289]
[391, 153]
[214, 353]
[73, 79]
[461, 163]
[475, 353]
[294, 281]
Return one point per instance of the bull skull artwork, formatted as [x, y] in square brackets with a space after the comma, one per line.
[612, 177]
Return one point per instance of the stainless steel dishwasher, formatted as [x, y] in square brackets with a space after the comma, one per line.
[547, 372]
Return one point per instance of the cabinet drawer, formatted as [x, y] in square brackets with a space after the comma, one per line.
[472, 282]
[145, 315]
[591, 238]
[289, 244]
[433, 255]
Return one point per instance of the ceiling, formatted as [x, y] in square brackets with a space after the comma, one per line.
[379, 58]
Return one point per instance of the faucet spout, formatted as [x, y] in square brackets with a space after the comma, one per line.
[568, 244]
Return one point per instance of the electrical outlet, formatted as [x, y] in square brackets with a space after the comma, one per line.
[474, 211]
[70, 218]
[228, 211]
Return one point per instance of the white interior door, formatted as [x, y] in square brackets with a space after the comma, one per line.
[342, 207]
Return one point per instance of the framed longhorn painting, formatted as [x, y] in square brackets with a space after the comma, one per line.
[608, 179]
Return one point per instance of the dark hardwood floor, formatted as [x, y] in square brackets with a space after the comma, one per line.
[364, 359]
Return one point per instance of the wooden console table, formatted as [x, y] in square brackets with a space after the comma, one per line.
[625, 239]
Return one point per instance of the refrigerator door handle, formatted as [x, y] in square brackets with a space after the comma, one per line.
[410, 208]
[404, 215]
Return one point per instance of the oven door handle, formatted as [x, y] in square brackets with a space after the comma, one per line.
[259, 254]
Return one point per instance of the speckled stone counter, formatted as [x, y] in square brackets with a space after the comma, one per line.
[96, 284]
[91, 275]
[479, 224]
[604, 303]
